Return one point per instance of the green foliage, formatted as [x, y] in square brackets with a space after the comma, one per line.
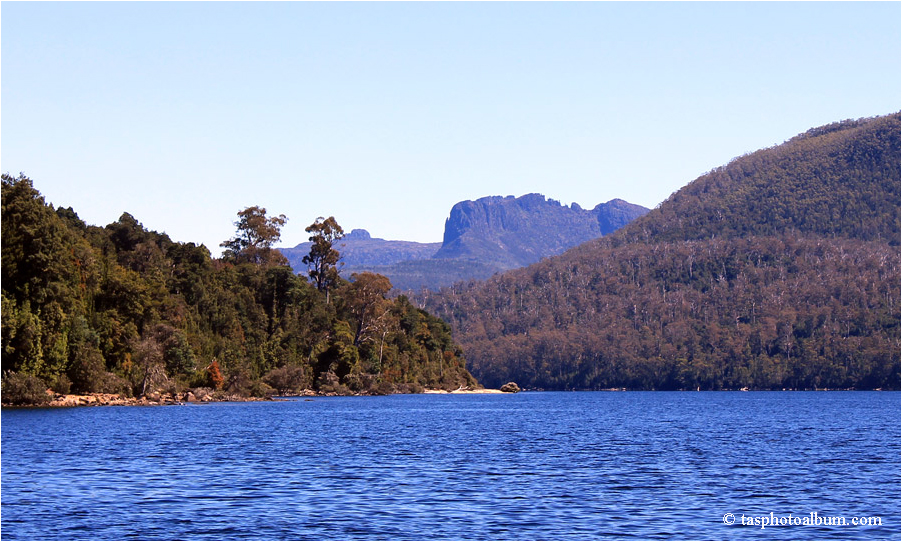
[88, 371]
[323, 258]
[341, 357]
[121, 309]
[43, 274]
[256, 235]
[25, 390]
[62, 385]
[286, 380]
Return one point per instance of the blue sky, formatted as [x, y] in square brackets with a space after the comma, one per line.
[386, 114]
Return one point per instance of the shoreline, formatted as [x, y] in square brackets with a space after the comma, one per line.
[463, 391]
[115, 399]
[188, 397]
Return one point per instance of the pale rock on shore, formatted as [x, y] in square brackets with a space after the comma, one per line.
[153, 399]
[464, 391]
[200, 395]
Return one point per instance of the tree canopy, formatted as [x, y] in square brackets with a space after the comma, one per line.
[323, 259]
[121, 309]
[255, 237]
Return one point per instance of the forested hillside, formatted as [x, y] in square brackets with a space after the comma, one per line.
[120, 309]
[840, 180]
[779, 270]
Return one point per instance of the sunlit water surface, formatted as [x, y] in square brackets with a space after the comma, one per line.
[527, 466]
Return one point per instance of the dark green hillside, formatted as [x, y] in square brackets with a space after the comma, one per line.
[120, 309]
[838, 180]
[762, 312]
[779, 270]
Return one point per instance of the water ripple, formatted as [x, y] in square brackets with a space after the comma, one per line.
[524, 467]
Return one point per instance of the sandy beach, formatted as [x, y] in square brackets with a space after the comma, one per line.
[465, 390]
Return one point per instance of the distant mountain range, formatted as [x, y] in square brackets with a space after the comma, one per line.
[359, 249]
[779, 270]
[482, 237]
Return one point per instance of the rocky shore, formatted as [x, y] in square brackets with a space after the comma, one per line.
[198, 395]
[153, 399]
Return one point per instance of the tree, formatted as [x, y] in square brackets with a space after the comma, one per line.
[255, 237]
[42, 274]
[323, 258]
[215, 375]
[341, 357]
[367, 303]
[151, 371]
[23, 389]
[286, 380]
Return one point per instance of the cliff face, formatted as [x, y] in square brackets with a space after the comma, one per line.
[510, 232]
[481, 238]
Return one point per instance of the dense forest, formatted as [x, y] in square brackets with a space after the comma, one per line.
[778, 270]
[120, 309]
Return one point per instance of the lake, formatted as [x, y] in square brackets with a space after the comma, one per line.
[538, 465]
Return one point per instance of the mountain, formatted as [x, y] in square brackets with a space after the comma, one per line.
[482, 237]
[359, 249]
[779, 270]
[514, 232]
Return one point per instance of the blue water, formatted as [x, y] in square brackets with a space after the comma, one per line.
[527, 466]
